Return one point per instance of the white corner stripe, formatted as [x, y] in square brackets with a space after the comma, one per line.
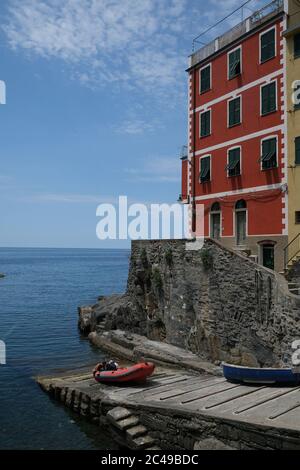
[240, 139]
[255, 189]
[240, 90]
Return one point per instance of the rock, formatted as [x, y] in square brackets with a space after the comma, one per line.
[2, 275]
[136, 431]
[143, 442]
[118, 413]
[211, 444]
[235, 310]
[249, 360]
[126, 423]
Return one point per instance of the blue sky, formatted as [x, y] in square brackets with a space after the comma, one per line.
[96, 108]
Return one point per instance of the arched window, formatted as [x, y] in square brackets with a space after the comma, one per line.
[215, 221]
[215, 207]
[241, 222]
[241, 204]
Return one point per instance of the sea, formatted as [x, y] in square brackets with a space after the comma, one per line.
[39, 297]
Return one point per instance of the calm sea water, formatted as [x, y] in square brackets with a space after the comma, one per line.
[38, 322]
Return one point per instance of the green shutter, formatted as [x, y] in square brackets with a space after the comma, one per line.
[234, 162]
[234, 112]
[268, 98]
[297, 151]
[234, 63]
[205, 169]
[267, 42]
[205, 124]
[269, 154]
[205, 79]
[297, 45]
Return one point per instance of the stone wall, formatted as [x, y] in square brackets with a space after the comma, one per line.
[214, 302]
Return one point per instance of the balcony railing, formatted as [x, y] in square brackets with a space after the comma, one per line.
[260, 16]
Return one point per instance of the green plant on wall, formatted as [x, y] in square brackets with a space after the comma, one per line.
[206, 258]
[169, 257]
[157, 279]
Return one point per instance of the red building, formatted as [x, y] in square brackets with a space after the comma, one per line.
[235, 164]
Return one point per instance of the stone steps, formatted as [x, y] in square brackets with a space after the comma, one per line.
[133, 432]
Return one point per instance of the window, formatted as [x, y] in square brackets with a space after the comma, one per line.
[215, 221]
[205, 124]
[205, 80]
[205, 169]
[267, 45]
[269, 153]
[268, 98]
[234, 111]
[297, 45]
[234, 162]
[297, 217]
[234, 63]
[297, 151]
[296, 95]
[241, 222]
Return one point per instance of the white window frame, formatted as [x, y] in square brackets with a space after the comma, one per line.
[234, 219]
[221, 221]
[210, 70]
[210, 123]
[262, 34]
[277, 154]
[276, 97]
[210, 167]
[241, 111]
[228, 150]
[241, 57]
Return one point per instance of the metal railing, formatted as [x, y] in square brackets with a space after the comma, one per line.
[291, 250]
[269, 10]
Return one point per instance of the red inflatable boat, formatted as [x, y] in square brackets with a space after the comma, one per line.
[136, 373]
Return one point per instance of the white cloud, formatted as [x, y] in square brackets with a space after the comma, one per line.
[137, 126]
[156, 169]
[104, 41]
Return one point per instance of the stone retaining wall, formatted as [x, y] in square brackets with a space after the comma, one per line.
[214, 302]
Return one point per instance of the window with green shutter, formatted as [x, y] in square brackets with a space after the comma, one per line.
[234, 110]
[297, 45]
[269, 154]
[234, 63]
[205, 84]
[267, 45]
[297, 97]
[234, 162]
[268, 98]
[204, 169]
[297, 151]
[205, 124]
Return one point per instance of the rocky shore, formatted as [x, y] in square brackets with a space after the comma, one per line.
[216, 303]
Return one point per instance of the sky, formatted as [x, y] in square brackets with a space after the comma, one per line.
[96, 107]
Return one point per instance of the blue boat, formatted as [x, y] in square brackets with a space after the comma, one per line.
[267, 376]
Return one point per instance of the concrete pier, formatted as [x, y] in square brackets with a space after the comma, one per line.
[178, 410]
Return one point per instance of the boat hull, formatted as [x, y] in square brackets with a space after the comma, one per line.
[136, 373]
[252, 375]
